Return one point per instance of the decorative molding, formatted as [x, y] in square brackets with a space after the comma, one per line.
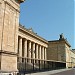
[7, 52]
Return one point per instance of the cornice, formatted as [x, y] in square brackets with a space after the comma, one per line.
[22, 28]
[13, 4]
[62, 40]
[7, 52]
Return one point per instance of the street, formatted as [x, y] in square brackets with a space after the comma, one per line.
[68, 72]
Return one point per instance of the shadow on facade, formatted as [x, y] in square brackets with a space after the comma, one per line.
[26, 65]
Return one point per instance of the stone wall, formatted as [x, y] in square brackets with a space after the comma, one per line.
[56, 51]
[9, 22]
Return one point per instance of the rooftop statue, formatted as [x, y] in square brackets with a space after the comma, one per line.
[20, 1]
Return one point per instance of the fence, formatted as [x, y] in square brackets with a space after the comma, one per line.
[27, 65]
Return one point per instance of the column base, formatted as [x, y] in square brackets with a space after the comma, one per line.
[8, 64]
[8, 73]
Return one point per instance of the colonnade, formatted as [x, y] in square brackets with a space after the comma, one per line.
[30, 49]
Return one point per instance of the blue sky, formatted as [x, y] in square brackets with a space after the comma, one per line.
[49, 18]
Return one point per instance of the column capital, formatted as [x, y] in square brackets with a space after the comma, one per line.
[19, 36]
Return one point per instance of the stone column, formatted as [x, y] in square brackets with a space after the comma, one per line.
[25, 47]
[36, 51]
[20, 48]
[42, 53]
[45, 53]
[33, 51]
[29, 52]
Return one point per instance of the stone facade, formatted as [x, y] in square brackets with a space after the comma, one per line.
[59, 50]
[9, 22]
[56, 51]
[30, 45]
[18, 42]
[72, 57]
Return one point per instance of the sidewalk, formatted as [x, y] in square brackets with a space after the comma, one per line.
[49, 72]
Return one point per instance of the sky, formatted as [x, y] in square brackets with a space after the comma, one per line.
[50, 18]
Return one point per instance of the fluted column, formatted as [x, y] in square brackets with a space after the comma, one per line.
[42, 53]
[29, 51]
[25, 47]
[20, 48]
[36, 54]
[45, 53]
[36, 51]
[33, 51]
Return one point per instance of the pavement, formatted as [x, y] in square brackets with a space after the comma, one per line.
[67, 72]
[56, 72]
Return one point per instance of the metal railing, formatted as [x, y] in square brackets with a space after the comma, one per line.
[27, 65]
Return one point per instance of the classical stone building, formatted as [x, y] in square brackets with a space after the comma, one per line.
[72, 54]
[60, 50]
[17, 42]
[21, 49]
[31, 45]
[32, 49]
[9, 23]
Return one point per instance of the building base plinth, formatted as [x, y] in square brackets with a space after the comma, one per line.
[8, 73]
